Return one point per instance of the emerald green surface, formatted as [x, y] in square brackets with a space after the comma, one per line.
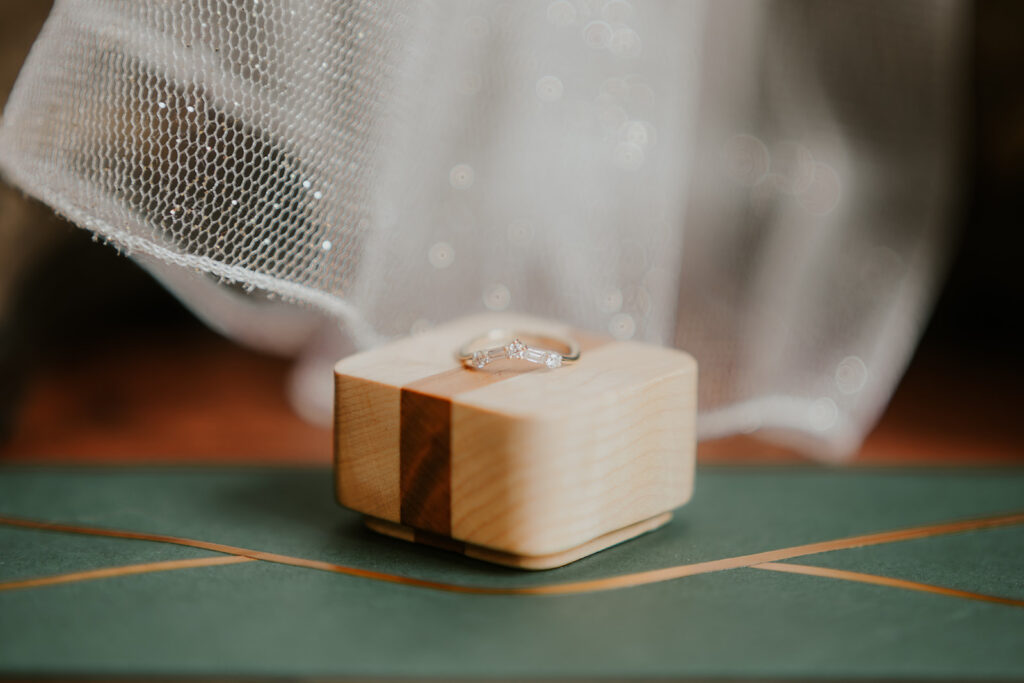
[259, 618]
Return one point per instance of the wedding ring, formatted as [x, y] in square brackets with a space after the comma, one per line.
[543, 349]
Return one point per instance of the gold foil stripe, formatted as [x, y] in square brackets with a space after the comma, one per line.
[669, 573]
[125, 570]
[593, 585]
[877, 580]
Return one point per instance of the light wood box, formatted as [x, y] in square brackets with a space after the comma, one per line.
[516, 464]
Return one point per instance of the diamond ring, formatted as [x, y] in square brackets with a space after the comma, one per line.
[549, 350]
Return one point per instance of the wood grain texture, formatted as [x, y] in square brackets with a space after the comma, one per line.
[517, 459]
[544, 462]
[425, 461]
[366, 446]
[425, 422]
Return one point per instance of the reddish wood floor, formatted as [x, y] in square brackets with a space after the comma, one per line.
[191, 396]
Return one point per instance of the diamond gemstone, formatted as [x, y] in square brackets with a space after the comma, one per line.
[535, 355]
[479, 359]
[553, 360]
[515, 349]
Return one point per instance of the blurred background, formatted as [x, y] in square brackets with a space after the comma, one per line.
[99, 363]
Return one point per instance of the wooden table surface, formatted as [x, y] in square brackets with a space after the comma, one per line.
[187, 395]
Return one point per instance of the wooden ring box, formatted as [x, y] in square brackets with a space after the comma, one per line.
[515, 464]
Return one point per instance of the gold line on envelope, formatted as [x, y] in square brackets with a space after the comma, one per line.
[126, 570]
[589, 586]
[679, 571]
[877, 580]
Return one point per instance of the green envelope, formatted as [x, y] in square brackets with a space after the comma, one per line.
[265, 618]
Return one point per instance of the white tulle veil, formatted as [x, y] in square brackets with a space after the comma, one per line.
[766, 185]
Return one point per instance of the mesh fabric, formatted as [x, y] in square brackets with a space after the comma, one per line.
[754, 182]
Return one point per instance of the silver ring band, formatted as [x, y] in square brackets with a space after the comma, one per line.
[501, 344]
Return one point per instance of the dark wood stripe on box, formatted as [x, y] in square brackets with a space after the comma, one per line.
[425, 445]
[425, 462]
[425, 441]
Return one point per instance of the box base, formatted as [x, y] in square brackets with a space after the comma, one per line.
[531, 562]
